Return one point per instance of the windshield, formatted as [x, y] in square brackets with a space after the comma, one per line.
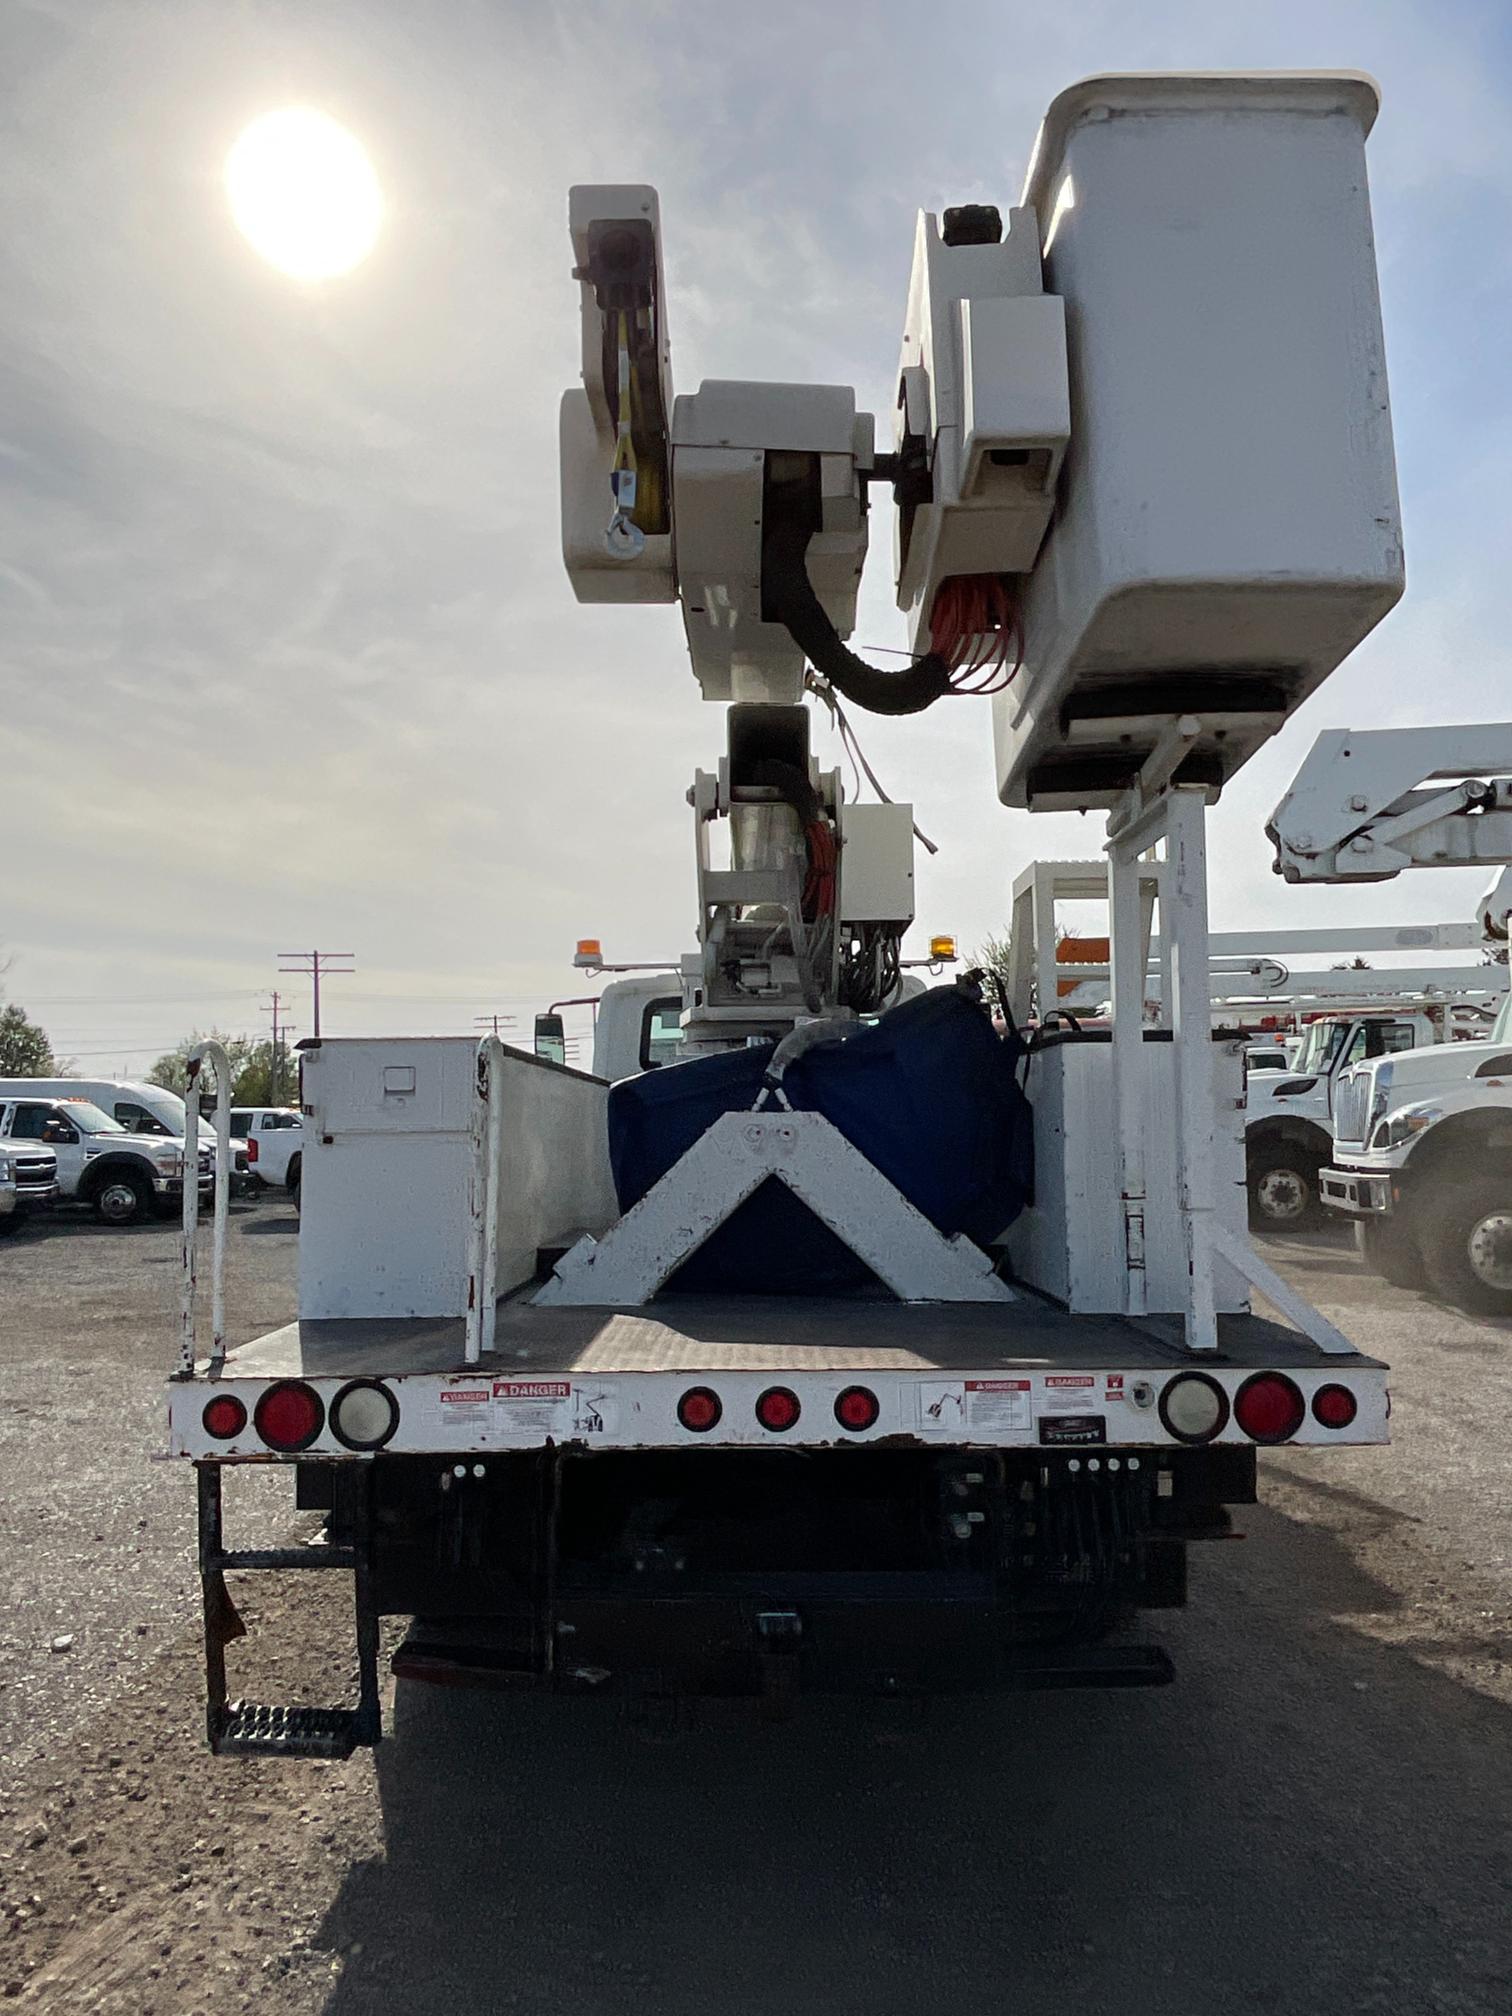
[1320, 1046]
[88, 1119]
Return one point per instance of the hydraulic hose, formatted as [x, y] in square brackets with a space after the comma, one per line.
[788, 598]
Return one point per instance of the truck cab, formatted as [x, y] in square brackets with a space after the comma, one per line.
[1289, 1124]
[1422, 1166]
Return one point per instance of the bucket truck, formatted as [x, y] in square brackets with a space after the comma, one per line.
[768, 1370]
[1422, 1161]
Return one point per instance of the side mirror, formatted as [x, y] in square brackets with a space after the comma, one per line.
[551, 1039]
[60, 1137]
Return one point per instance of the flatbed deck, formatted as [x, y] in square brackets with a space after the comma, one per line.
[770, 1334]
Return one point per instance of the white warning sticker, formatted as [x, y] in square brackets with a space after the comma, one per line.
[940, 1406]
[997, 1403]
[461, 1411]
[1068, 1392]
[533, 1406]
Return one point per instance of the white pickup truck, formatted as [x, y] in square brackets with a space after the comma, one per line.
[28, 1182]
[125, 1177]
[273, 1140]
[1423, 1165]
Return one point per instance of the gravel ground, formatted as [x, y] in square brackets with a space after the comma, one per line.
[1314, 1819]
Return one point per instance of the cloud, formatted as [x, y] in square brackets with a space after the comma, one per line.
[298, 546]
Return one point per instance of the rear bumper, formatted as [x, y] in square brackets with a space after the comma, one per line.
[471, 1414]
[1360, 1193]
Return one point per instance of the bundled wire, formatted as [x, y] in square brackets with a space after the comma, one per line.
[826, 695]
[976, 629]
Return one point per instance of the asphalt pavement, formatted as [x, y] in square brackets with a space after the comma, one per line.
[1316, 1817]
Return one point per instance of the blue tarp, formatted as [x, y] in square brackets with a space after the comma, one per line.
[930, 1095]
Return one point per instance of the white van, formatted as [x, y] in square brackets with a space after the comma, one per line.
[140, 1108]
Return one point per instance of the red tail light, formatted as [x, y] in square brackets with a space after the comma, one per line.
[778, 1409]
[224, 1417]
[251, 1148]
[1334, 1406]
[699, 1409]
[1269, 1408]
[289, 1415]
[857, 1409]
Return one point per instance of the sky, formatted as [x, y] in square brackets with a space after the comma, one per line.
[287, 654]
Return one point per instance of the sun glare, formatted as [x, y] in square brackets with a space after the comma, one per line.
[304, 194]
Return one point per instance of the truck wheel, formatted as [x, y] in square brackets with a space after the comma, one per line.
[1389, 1247]
[11, 1222]
[123, 1199]
[1283, 1190]
[296, 1170]
[1467, 1245]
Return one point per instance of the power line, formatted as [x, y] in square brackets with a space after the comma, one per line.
[280, 1028]
[313, 965]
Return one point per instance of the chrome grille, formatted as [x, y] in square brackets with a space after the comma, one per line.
[1352, 1105]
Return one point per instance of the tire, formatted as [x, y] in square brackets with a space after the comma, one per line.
[1389, 1247]
[1283, 1189]
[296, 1172]
[1467, 1244]
[11, 1223]
[123, 1197]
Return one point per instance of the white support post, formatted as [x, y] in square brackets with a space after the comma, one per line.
[1047, 978]
[483, 1195]
[214, 1054]
[1126, 926]
[1185, 930]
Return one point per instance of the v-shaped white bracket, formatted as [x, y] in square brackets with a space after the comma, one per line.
[625, 1268]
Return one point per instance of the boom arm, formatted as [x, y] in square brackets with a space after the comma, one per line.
[1366, 805]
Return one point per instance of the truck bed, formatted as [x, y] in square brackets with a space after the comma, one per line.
[770, 1335]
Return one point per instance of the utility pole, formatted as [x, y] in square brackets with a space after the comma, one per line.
[282, 1026]
[503, 1026]
[313, 965]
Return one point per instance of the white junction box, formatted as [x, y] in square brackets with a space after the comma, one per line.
[983, 403]
[1069, 1243]
[1227, 526]
[876, 864]
[390, 1163]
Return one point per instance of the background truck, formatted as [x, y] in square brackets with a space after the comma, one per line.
[1430, 1193]
[777, 1367]
[124, 1177]
[271, 1137]
[140, 1107]
[1421, 1153]
[28, 1183]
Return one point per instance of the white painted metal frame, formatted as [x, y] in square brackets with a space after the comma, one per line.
[1176, 816]
[483, 1199]
[214, 1054]
[739, 1153]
